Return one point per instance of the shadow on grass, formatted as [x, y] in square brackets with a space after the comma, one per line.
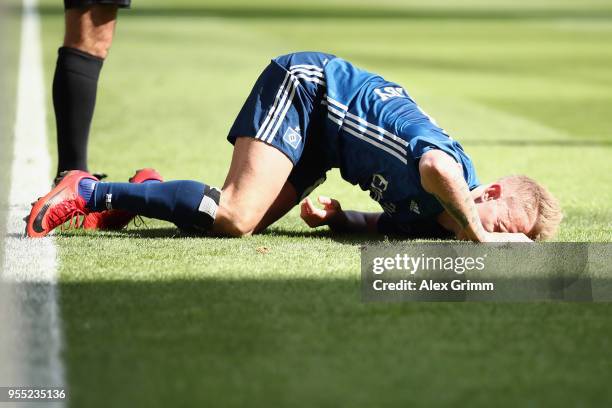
[309, 342]
[345, 238]
[170, 232]
[244, 11]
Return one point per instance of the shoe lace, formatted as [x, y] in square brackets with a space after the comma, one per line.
[65, 211]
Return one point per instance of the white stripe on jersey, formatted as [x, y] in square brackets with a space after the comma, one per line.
[337, 112]
[334, 119]
[375, 143]
[274, 106]
[306, 71]
[311, 79]
[308, 75]
[335, 102]
[362, 129]
[306, 66]
[377, 136]
[378, 128]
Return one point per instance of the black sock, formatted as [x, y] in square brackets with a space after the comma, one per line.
[74, 97]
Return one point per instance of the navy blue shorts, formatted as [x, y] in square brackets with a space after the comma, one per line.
[286, 113]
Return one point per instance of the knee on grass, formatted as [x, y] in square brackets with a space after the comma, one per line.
[234, 222]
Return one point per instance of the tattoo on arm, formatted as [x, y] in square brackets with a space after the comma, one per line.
[455, 212]
[444, 179]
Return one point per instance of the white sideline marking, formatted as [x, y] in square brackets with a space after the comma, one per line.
[30, 265]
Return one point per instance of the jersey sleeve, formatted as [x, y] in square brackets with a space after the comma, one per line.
[423, 139]
[425, 228]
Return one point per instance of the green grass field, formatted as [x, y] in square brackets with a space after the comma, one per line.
[153, 318]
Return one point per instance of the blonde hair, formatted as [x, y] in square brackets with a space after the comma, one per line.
[536, 201]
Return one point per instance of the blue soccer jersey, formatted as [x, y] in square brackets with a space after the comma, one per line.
[323, 112]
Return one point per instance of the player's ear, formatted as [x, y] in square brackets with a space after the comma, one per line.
[492, 192]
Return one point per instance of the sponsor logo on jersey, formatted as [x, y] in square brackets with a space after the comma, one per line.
[292, 137]
[414, 207]
[378, 186]
[389, 92]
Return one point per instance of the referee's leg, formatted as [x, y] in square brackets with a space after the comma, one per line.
[90, 29]
[88, 38]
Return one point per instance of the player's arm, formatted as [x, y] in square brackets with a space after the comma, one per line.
[336, 218]
[340, 220]
[443, 177]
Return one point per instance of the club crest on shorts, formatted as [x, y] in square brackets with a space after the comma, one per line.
[292, 137]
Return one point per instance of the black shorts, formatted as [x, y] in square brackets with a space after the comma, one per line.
[68, 4]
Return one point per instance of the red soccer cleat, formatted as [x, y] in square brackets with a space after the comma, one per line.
[61, 204]
[119, 219]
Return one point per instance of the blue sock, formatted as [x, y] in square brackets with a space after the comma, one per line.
[187, 204]
[86, 189]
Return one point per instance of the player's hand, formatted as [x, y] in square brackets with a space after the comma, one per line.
[315, 217]
[506, 237]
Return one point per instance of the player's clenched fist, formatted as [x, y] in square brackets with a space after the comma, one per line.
[315, 217]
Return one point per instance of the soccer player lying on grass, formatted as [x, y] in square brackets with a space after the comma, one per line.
[308, 113]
